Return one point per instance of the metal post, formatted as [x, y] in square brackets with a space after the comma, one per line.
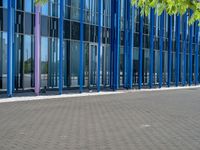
[161, 49]
[10, 35]
[131, 36]
[61, 48]
[196, 53]
[140, 51]
[169, 52]
[99, 46]
[190, 53]
[151, 48]
[184, 48]
[37, 49]
[117, 46]
[177, 49]
[81, 47]
[112, 33]
[125, 43]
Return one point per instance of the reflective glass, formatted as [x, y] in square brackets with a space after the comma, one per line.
[4, 3]
[74, 63]
[29, 6]
[3, 60]
[45, 10]
[44, 61]
[28, 61]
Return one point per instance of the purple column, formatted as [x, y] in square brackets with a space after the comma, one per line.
[37, 49]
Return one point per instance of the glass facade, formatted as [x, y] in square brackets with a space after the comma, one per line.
[159, 64]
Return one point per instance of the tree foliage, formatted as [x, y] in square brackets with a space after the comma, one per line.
[41, 2]
[172, 7]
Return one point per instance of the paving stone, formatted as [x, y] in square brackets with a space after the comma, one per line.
[159, 120]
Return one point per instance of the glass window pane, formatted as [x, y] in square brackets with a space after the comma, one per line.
[44, 61]
[29, 6]
[3, 60]
[28, 61]
[3, 19]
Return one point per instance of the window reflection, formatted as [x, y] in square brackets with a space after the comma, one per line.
[44, 61]
[28, 61]
[4, 3]
[29, 6]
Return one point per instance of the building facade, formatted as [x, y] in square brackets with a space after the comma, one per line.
[106, 44]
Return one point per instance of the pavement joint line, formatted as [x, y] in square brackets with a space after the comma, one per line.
[48, 97]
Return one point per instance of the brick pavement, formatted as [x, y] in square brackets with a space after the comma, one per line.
[161, 120]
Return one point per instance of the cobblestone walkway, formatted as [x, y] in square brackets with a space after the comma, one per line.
[162, 120]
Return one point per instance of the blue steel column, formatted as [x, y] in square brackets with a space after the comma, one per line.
[190, 52]
[177, 48]
[125, 42]
[184, 47]
[117, 46]
[196, 53]
[10, 36]
[169, 51]
[61, 48]
[131, 36]
[99, 47]
[161, 49]
[81, 46]
[151, 48]
[112, 34]
[140, 51]
[13, 29]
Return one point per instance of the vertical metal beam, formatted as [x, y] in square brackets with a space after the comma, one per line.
[61, 48]
[99, 45]
[37, 49]
[190, 52]
[131, 36]
[13, 30]
[81, 46]
[184, 47]
[196, 53]
[125, 43]
[112, 33]
[177, 49]
[161, 49]
[169, 51]
[140, 51]
[10, 49]
[151, 48]
[117, 46]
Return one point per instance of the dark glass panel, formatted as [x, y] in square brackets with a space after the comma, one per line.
[45, 26]
[3, 19]
[75, 30]
[19, 24]
[86, 31]
[66, 29]
[29, 23]
[3, 60]
[93, 33]
[67, 12]
[66, 63]
[20, 4]
[53, 27]
[68, 2]
[122, 40]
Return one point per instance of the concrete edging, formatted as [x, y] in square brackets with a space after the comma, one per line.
[32, 98]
